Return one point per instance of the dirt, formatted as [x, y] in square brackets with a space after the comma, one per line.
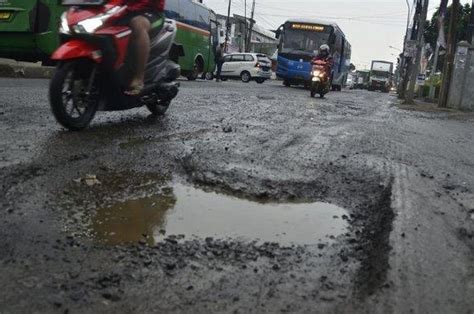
[405, 179]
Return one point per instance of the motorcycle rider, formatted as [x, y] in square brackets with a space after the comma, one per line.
[324, 54]
[140, 17]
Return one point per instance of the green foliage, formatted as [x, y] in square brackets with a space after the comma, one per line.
[434, 80]
[431, 32]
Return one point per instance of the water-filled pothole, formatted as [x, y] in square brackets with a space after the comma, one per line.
[192, 212]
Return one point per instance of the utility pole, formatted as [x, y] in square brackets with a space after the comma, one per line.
[419, 43]
[471, 25]
[401, 71]
[246, 28]
[410, 36]
[227, 28]
[249, 38]
[450, 51]
[439, 42]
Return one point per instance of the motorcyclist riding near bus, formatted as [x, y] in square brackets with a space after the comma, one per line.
[321, 72]
[324, 54]
[141, 15]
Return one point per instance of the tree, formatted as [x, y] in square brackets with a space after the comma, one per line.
[431, 32]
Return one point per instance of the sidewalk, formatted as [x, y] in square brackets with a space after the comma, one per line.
[12, 68]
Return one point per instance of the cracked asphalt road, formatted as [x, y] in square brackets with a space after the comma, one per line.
[405, 177]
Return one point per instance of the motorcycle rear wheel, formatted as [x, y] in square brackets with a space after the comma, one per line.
[159, 108]
[72, 94]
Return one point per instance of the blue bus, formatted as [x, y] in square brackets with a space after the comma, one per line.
[300, 40]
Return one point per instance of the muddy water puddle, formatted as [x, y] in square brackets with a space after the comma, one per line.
[192, 212]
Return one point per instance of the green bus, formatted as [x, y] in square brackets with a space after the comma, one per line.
[28, 29]
[198, 33]
[29, 32]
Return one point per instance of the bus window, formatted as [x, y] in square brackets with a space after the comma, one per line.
[188, 12]
[299, 40]
[172, 9]
[203, 18]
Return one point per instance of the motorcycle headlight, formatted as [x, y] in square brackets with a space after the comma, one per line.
[89, 25]
[317, 73]
[64, 26]
[92, 24]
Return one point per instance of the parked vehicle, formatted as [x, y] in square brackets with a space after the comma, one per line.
[247, 67]
[320, 78]
[198, 34]
[93, 68]
[300, 40]
[381, 75]
[29, 29]
[362, 79]
[350, 81]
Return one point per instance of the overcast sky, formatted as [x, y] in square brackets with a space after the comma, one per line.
[370, 25]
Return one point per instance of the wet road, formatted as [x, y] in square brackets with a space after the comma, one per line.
[177, 214]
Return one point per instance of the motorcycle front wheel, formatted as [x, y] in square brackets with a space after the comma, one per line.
[73, 94]
[314, 89]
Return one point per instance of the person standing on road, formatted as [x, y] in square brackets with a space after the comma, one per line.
[219, 59]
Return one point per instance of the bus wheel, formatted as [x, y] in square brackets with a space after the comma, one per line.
[198, 68]
[209, 76]
[193, 75]
[73, 94]
[286, 83]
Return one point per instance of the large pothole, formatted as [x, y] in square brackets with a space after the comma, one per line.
[195, 213]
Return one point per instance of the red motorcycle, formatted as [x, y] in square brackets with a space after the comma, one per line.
[320, 78]
[94, 67]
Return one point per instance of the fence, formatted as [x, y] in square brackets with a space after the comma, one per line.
[461, 95]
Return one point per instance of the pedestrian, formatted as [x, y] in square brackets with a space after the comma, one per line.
[219, 59]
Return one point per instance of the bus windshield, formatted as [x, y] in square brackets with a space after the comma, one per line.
[304, 41]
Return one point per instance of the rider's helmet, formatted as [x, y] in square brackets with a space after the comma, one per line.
[324, 50]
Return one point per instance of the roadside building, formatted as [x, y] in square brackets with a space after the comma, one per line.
[261, 39]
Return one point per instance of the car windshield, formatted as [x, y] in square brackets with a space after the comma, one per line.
[304, 41]
[380, 74]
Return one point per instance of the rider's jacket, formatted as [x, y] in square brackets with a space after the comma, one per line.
[327, 59]
[146, 5]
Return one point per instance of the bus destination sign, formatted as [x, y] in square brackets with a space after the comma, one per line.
[308, 27]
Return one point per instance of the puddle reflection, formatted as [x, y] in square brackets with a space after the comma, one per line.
[192, 212]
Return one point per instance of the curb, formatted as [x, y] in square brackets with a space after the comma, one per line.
[33, 72]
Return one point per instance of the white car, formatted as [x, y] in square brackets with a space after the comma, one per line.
[247, 67]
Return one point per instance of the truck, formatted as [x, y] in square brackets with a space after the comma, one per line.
[381, 74]
[361, 80]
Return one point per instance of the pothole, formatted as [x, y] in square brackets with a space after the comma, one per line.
[195, 213]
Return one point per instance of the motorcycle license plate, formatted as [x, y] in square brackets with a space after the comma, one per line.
[5, 16]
